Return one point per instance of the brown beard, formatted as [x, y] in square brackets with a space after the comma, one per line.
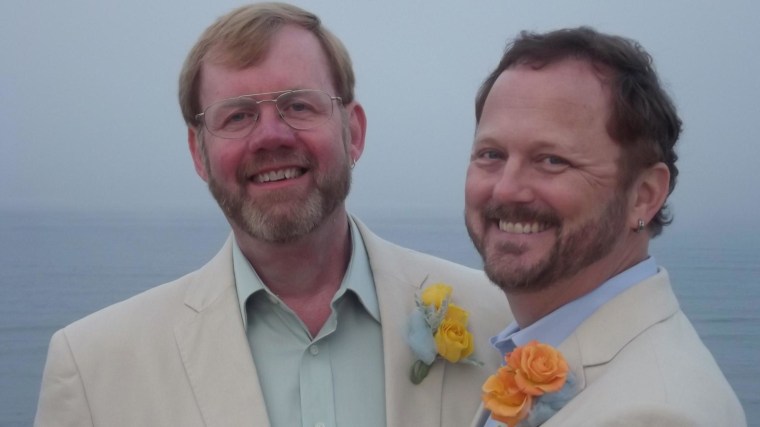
[573, 251]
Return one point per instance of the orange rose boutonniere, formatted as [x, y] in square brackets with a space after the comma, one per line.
[534, 384]
[438, 329]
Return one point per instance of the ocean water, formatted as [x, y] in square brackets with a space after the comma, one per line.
[58, 267]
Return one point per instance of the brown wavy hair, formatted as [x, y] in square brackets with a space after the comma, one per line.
[643, 118]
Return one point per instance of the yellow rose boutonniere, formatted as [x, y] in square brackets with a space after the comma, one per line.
[438, 328]
[534, 384]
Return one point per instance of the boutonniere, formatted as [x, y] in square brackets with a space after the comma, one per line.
[533, 385]
[438, 328]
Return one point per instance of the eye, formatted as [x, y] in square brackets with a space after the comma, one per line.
[298, 106]
[488, 154]
[555, 160]
[237, 118]
[553, 163]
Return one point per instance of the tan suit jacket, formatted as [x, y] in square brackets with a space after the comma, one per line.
[639, 362]
[177, 355]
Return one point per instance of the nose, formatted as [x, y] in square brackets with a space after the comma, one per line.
[270, 130]
[513, 185]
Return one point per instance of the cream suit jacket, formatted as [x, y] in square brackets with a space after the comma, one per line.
[177, 355]
[639, 362]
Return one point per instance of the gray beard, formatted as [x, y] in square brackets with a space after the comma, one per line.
[264, 220]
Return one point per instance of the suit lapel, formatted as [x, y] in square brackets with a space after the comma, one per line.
[572, 352]
[215, 351]
[396, 283]
[601, 337]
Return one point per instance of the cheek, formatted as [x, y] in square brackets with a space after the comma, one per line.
[477, 190]
[574, 203]
[224, 163]
[328, 142]
[330, 152]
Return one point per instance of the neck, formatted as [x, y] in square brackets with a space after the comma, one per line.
[305, 273]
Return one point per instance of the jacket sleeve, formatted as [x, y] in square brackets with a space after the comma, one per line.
[63, 401]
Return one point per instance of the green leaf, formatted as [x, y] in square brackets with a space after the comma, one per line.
[420, 370]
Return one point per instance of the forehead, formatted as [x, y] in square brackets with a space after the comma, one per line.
[294, 59]
[569, 94]
[564, 84]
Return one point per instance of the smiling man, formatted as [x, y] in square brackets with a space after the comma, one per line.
[571, 166]
[301, 318]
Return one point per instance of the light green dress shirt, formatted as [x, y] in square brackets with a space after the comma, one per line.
[335, 379]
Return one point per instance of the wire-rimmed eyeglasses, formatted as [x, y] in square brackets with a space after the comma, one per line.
[236, 117]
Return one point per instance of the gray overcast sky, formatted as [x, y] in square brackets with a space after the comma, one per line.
[89, 117]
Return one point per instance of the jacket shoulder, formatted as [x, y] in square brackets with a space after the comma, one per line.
[146, 311]
[644, 361]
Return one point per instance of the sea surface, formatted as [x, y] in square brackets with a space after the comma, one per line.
[58, 267]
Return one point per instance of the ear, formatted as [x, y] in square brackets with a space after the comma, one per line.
[196, 150]
[357, 126]
[649, 193]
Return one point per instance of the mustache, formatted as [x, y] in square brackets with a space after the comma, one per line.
[520, 213]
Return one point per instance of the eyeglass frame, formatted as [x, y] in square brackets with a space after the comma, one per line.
[200, 117]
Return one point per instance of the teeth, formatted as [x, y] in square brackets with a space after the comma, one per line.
[277, 175]
[521, 227]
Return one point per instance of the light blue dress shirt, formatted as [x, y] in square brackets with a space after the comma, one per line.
[556, 326]
[336, 378]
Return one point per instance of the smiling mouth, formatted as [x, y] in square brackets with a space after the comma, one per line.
[522, 227]
[278, 175]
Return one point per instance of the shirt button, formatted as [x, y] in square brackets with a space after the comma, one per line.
[314, 350]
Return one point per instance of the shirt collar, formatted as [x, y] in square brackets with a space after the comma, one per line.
[556, 326]
[358, 277]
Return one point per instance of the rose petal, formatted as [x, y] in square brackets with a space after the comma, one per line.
[435, 294]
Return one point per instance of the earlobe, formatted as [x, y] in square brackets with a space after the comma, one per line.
[651, 191]
[194, 144]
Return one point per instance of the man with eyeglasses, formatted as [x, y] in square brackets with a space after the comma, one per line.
[301, 319]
